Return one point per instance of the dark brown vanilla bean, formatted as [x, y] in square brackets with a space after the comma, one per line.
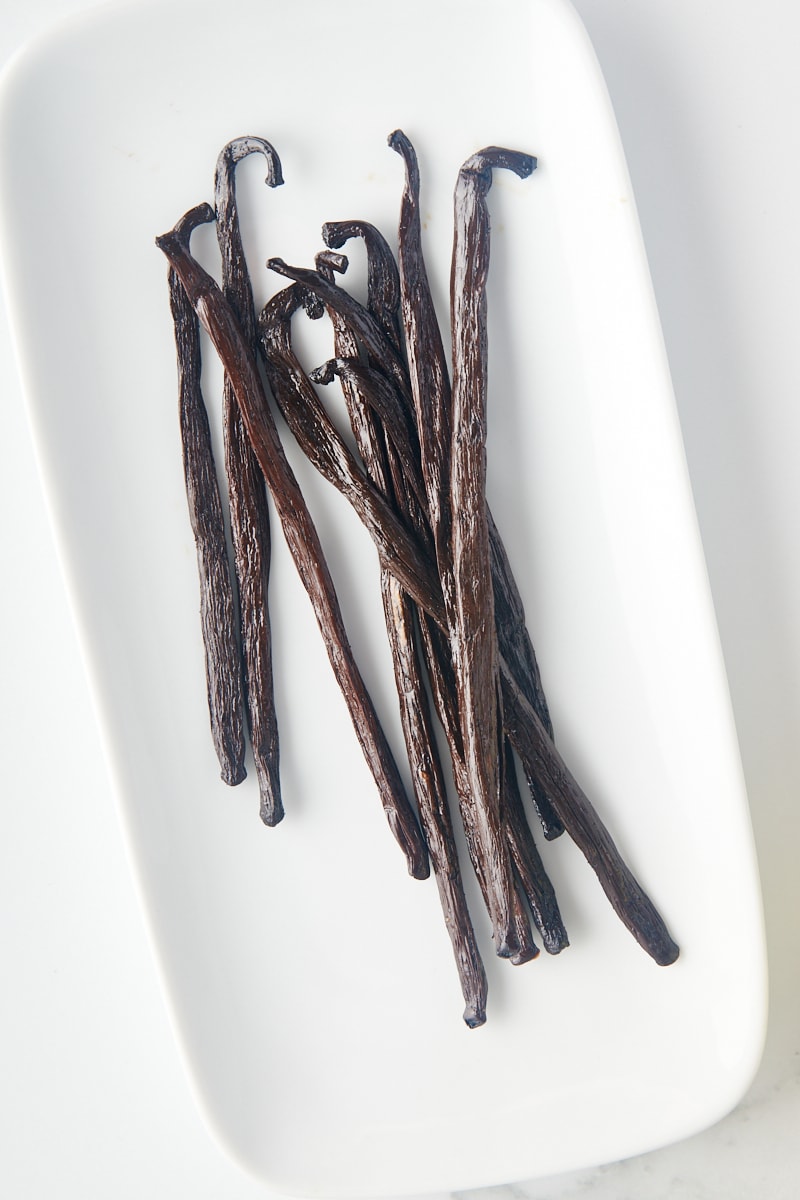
[427, 363]
[219, 322]
[387, 440]
[383, 280]
[473, 635]
[400, 552]
[249, 511]
[430, 387]
[217, 609]
[400, 430]
[528, 864]
[363, 324]
[420, 739]
[515, 645]
[382, 400]
[626, 895]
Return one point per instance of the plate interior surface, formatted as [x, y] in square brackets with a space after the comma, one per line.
[310, 980]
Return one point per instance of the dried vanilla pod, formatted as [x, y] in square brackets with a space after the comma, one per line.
[420, 739]
[217, 318]
[455, 620]
[400, 552]
[247, 498]
[473, 634]
[217, 606]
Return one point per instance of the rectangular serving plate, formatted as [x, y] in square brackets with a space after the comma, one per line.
[310, 980]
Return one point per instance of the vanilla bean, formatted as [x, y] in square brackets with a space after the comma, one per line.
[539, 756]
[217, 318]
[363, 324]
[515, 645]
[249, 511]
[402, 444]
[420, 739]
[427, 362]
[430, 387]
[367, 426]
[382, 401]
[217, 610]
[528, 864]
[383, 280]
[400, 552]
[473, 634]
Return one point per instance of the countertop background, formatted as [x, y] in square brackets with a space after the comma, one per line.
[93, 1098]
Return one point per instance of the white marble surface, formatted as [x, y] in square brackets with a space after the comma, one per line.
[93, 1100]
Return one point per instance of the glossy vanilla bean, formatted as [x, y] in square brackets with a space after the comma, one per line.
[239, 363]
[247, 497]
[399, 427]
[400, 552]
[217, 608]
[473, 634]
[533, 878]
[626, 895]
[418, 731]
[383, 280]
[431, 389]
[427, 363]
[363, 324]
[515, 645]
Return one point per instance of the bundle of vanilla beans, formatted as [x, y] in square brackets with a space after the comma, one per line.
[454, 616]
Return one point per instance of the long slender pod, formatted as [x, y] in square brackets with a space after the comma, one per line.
[377, 453]
[217, 318]
[247, 497]
[217, 606]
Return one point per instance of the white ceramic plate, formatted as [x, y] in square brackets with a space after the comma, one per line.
[310, 979]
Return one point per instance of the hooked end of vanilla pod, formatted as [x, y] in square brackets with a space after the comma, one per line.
[402, 146]
[334, 235]
[238, 148]
[323, 374]
[493, 158]
[332, 261]
[201, 214]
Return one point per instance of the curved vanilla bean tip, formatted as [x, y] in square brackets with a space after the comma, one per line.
[325, 373]
[402, 146]
[201, 214]
[239, 148]
[400, 550]
[383, 277]
[499, 157]
[330, 260]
